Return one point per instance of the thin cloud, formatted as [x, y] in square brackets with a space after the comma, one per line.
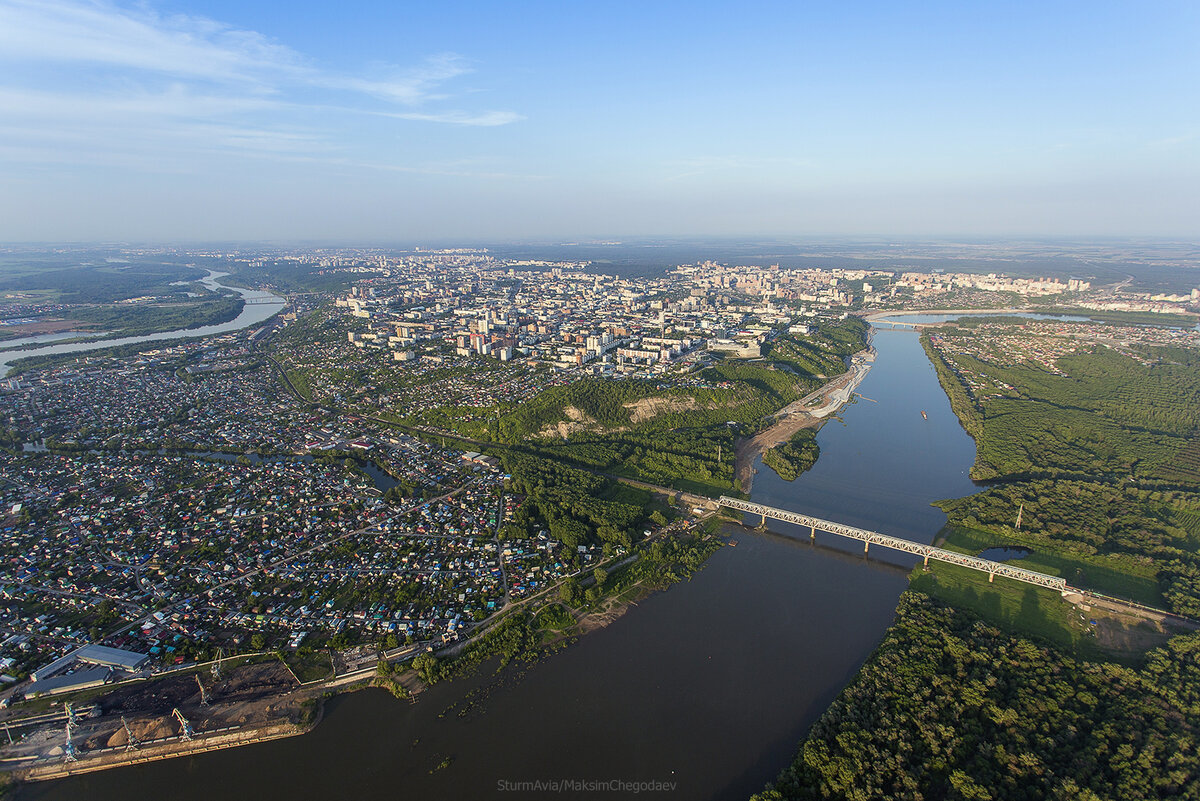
[486, 119]
[408, 87]
[193, 84]
[175, 100]
[38, 31]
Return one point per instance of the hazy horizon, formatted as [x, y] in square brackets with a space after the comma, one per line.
[214, 121]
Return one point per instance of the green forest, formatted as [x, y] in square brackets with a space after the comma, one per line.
[108, 283]
[1102, 464]
[128, 321]
[823, 353]
[689, 443]
[1110, 414]
[950, 707]
[529, 635]
[696, 459]
[575, 506]
[793, 457]
[603, 401]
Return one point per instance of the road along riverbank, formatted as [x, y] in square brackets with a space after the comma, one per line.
[811, 411]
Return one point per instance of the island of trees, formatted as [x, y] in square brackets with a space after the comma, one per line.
[795, 456]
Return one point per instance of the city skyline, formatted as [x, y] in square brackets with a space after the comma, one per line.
[223, 121]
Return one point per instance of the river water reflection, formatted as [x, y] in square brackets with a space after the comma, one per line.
[260, 306]
[710, 685]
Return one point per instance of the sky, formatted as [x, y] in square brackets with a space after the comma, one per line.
[378, 122]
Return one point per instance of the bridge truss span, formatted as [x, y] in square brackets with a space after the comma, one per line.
[869, 538]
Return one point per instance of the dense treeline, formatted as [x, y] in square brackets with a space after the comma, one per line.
[960, 402]
[950, 707]
[107, 284]
[664, 562]
[1109, 414]
[659, 457]
[524, 635]
[688, 443]
[1104, 461]
[823, 353]
[795, 456]
[1156, 319]
[575, 506]
[517, 637]
[761, 390]
[1085, 517]
[128, 321]
[603, 401]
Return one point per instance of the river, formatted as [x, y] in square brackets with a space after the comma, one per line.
[709, 686]
[260, 307]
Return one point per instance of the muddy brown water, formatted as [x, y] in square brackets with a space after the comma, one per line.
[705, 689]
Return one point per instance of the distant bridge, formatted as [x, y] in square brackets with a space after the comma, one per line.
[869, 538]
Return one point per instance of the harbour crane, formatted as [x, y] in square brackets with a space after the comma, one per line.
[203, 690]
[185, 728]
[131, 742]
[69, 747]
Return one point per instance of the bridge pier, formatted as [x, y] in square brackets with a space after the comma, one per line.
[926, 552]
[762, 525]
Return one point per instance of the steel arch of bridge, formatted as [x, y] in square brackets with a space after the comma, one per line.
[927, 552]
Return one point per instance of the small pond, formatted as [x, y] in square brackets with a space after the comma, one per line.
[1004, 553]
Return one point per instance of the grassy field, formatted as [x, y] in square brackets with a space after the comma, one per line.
[1009, 604]
[1117, 578]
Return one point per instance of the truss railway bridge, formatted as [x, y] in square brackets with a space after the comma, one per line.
[869, 538]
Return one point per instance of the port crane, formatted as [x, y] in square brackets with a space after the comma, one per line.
[203, 690]
[216, 666]
[185, 728]
[131, 742]
[69, 747]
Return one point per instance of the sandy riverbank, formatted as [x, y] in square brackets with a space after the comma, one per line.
[811, 411]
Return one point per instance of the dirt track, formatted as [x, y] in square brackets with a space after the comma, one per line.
[750, 449]
[794, 417]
